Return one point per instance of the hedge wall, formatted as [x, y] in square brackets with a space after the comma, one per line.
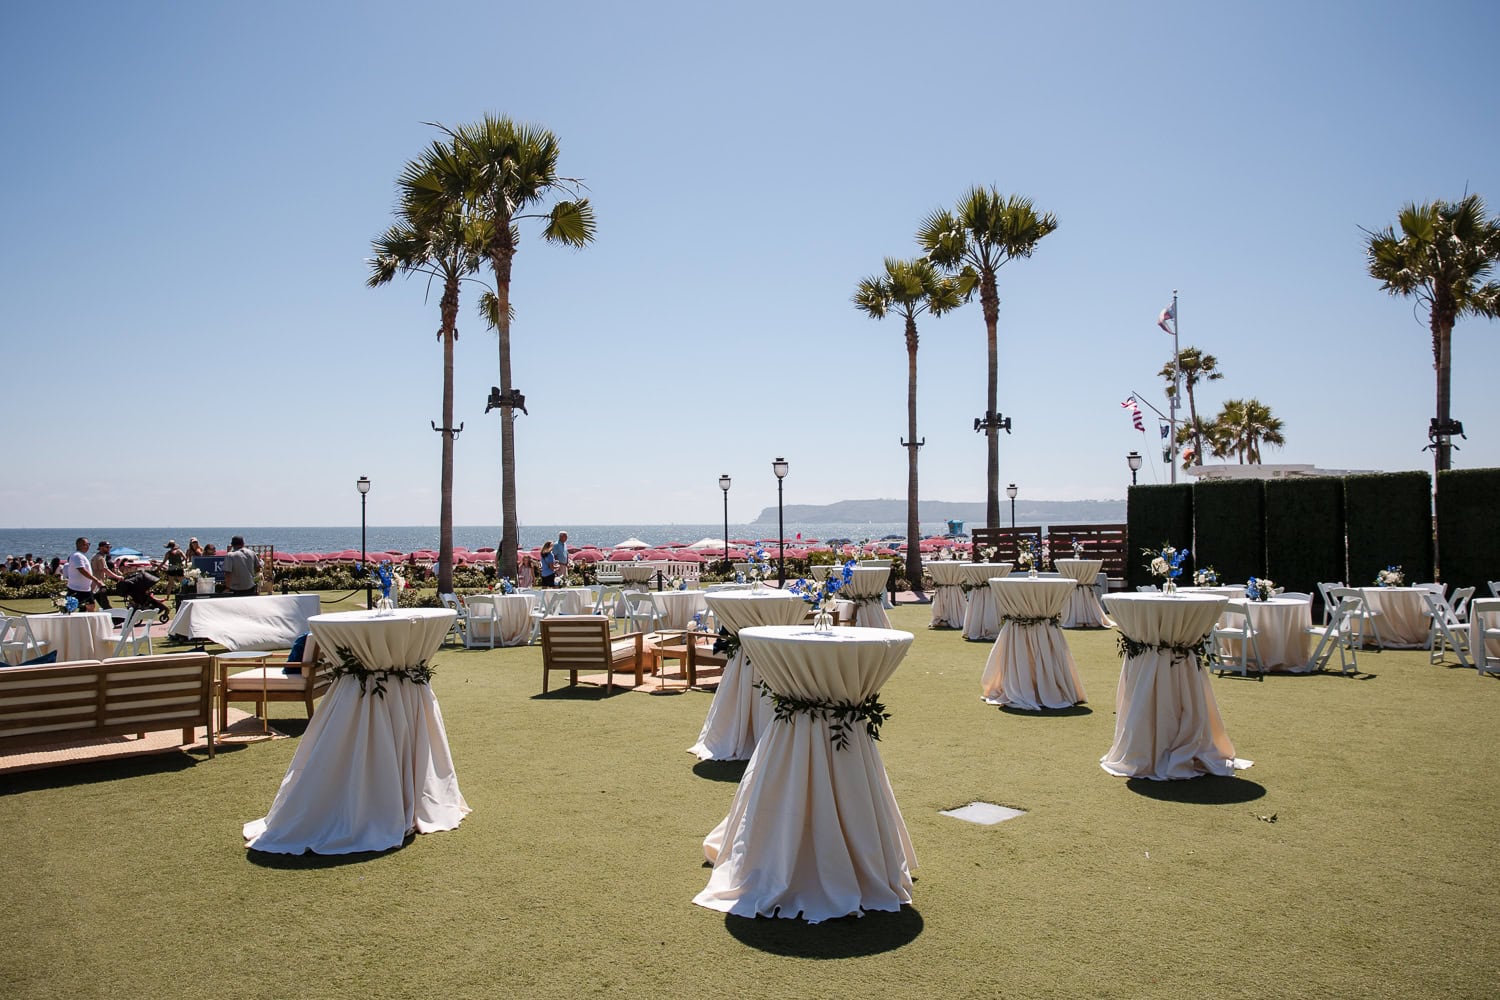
[1468, 544]
[1388, 518]
[1229, 528]
[1305, 535]
[1153, 515]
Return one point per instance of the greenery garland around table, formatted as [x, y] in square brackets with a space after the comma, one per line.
[349, 665]
[841, 715]
[727, 643]
[1197, 652]
[1031, 621]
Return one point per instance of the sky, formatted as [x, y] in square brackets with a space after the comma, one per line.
[191, 190]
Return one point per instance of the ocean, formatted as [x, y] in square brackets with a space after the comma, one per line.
[49, 542]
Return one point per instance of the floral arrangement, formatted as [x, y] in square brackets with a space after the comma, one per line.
[1166, 562]
[1206, 577]
[1033, 553]
[987, 552]
[65, 603]
[194, 573]
[1391, 576]
[505, 585]
[1260, 589]
[818, 594]
[675, 583]
[1077, 549]
[760, 565]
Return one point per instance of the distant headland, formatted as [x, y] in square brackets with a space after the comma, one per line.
[972, 514]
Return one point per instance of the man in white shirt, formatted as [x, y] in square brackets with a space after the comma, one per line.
[80, 579]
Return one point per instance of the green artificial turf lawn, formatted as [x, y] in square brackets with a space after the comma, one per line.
[575, 873]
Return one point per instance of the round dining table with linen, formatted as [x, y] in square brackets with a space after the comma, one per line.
[677, 607]
[866, 588]
[1167, 722]
[739, 712]
[638, 575]
[814, 829]
[1083, 610]
[1030, 665]
[1403, 621]
[82, 635]
[981, 617]
[1281, 624]
[513, 611]
[371, 767]
[948, 599]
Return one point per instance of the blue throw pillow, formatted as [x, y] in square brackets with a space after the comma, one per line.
[44, 658]
[298, 648]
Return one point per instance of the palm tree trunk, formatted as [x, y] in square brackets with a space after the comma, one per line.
[505, 555]
[1197, 431]
[913, 525]
[1444, 364]
[445, 508]
[989, 298]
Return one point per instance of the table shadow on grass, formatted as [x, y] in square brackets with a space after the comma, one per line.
[1207, 790]
[310, 861]
[875, 932]
[1043, 713]
[720, 770]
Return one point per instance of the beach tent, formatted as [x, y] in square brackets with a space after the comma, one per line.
[632, 543]
[708, 545]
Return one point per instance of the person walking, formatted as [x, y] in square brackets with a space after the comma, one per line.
[104, 571]
[241, 569]
[560, 558]
[79, 577]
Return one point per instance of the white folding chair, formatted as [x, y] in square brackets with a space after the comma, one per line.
[17, 643]
[1481, 637]
[641, 613]
[1445, 631]
[1344, 631]
[1495, 588]
[482, 627]
[460, 624]
[134, 634]
[1325, 590]
[1368, 616]
[607, 602]
[1235, 629]
[1149, 588]
[548, 603]
[1459, 602]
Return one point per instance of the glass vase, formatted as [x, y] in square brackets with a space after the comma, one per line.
[1031, 573]
[1170, 587]
[823, 621]
[385, 606]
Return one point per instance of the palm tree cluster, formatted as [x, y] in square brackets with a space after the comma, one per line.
[459, 205]
[963, 249]
[1241, 427]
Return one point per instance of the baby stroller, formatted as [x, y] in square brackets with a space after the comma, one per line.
[136, 590]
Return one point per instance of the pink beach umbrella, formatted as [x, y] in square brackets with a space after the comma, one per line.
[685, 554]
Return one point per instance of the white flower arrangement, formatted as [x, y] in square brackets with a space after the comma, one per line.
[192, 573]
[1391, 576]
[987, 552]
[1206, 577]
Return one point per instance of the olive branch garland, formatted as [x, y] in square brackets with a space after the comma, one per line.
[349, 665]
[727, 643]
[1031, 621]
[840, 715]
[1197, 652]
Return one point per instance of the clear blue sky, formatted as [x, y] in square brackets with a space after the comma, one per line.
[190, 191]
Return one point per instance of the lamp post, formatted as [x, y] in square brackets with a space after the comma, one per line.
[1134, 461]
[1011, 492]
[780, 467]
[363, 485]
[724, 485]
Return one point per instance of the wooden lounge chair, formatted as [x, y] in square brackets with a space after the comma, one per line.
[582, 643]
[272, 682]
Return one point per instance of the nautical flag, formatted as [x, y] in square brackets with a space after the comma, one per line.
[1135, 412]
[1166, 431]
[1169, 313]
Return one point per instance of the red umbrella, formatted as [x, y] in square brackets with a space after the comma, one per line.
[686, 555]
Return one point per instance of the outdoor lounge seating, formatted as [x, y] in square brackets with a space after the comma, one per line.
[274, 682]
[582, 643]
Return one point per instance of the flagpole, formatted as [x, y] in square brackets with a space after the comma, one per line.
[1176, 384]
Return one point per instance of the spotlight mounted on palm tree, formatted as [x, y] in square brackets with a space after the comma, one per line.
[514, 399]
[1442, 432]
[996, 420]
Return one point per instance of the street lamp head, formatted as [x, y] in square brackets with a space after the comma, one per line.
[362, 484]
[1134, 461]
[780, 467]
[724, 482]
[1011, 491]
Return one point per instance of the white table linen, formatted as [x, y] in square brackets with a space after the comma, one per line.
[1167, 722]
[272, 621]
[369, 769]
[948, 599]
[981, 617]
[1083, 610]
[814, 830]
[638, 574]
[1484, 614]
[739, 713]
[1030, 666]
[83, 635]
[866, 588]
[677, 607]
[1403, 621]
[1282, 624]
[514, 612]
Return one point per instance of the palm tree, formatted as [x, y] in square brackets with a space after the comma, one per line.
[909, 288]
[1444, 251]
[1241, 427]
[505, 171]
[438, 239]
[985, 231]
[1195, 367]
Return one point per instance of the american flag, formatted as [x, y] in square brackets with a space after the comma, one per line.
[1169, 313]
[1135, 413]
